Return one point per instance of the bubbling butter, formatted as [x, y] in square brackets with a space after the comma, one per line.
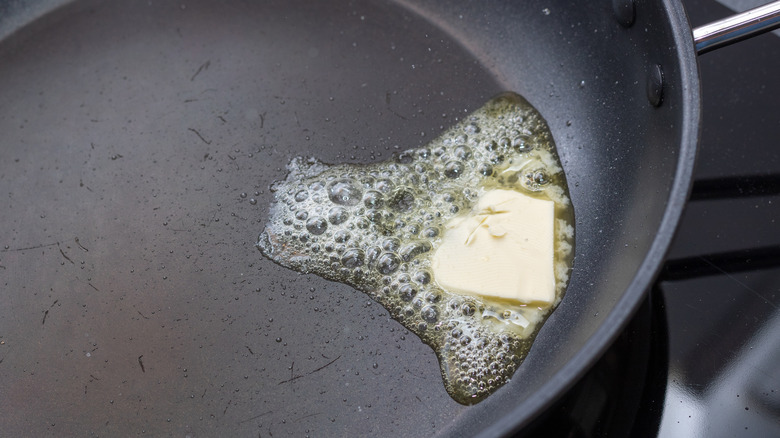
[467, 241]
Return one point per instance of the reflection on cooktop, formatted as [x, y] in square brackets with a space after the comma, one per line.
[723, 276]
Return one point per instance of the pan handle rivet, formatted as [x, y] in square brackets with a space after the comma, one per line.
[655, 85]
[625, 12]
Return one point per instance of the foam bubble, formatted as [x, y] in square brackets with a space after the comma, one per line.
[316, 225]
[344, 192]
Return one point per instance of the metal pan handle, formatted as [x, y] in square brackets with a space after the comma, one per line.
[737, 27]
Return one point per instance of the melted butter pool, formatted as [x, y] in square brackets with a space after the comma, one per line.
[377, 226]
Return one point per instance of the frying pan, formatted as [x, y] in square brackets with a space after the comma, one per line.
[138, 143]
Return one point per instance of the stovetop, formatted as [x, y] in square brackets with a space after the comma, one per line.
[701, 358]
[721, 285]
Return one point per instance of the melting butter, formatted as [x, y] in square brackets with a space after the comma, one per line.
[391, 229]
[503, 249]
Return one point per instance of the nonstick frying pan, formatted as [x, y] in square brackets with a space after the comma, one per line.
[139, 140]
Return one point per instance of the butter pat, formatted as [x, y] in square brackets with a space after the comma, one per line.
[502, 249]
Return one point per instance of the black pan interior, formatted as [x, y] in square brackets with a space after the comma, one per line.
[138, 143]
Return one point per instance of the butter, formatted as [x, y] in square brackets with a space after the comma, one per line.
[502, 249]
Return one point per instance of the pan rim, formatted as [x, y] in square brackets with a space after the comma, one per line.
[531, 408]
